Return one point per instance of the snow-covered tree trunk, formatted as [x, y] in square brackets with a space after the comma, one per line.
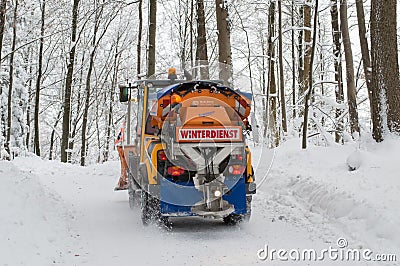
[301, 53]
[351, 86]
[151, 58]
[114, 82]
[68, 85]
[366, 58]
[3, 6]
[98, 13]
[39, 81]
[3, 10]
[272, 95]
[293, 44]
[53, 134]
[224, 40]
[11, 82]
[30, 95]
[385, 67]
[337, 57]
[307, 44]
[201, 48]
[281, 74]
[191, 30]
[310, 89]
[139, 40]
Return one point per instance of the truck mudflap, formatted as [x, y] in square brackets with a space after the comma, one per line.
[251, 188]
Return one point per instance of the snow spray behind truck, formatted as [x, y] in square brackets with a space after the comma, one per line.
[188, 155]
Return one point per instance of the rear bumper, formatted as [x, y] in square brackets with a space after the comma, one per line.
[177, 199]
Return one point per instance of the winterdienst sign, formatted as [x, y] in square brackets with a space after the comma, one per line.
[233, 134]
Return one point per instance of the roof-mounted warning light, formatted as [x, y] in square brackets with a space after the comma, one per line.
[172, 74]
[176, 99]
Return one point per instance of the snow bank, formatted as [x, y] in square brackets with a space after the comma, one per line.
[34, 229]
[362, 204]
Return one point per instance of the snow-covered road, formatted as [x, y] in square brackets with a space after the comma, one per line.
[80, 220]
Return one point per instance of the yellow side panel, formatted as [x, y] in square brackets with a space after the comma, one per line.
[151, 164]
[249, 168]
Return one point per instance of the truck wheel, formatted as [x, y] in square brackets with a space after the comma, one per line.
[131, 193]
[233, 219]
[150, 209]
[134, 199]
[246, 217]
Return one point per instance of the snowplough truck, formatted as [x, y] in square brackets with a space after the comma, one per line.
[188, 154]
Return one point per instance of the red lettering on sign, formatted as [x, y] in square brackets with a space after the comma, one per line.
[224, 134]
[213, 134]
[184, 134]
[235, 135]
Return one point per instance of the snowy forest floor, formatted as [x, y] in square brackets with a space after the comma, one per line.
[60, 214]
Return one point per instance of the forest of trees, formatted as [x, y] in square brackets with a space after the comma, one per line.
[324, 71]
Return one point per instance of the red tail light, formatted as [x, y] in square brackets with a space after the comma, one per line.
[175, 170]
[236, 169]
[243, 103]
[162, 156]
[238, 157]
[165, 103]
